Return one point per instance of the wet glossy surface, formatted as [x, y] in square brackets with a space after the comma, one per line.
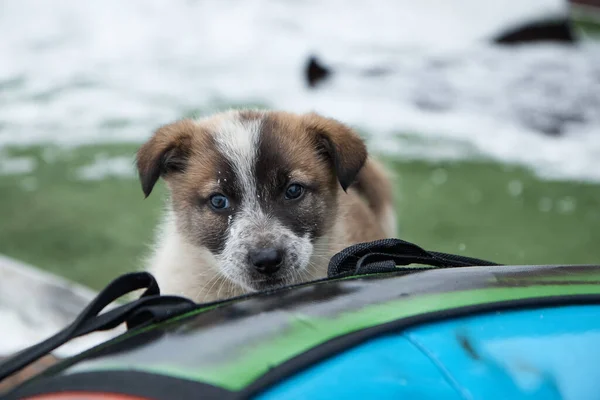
[234, 344]
[550, 353]
[387, 368]
[536, 354]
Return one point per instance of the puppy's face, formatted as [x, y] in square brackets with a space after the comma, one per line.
[257, 189]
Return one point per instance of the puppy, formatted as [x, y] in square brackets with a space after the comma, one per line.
[260, 199]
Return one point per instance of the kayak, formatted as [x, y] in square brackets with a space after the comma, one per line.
[390, 321]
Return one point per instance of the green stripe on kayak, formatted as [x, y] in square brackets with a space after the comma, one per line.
[307, 332]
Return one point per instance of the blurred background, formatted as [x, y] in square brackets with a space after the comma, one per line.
[487, 112]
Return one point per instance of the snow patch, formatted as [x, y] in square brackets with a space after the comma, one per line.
[67, 79]
[36, 305]
[107, 167]
[16, 165]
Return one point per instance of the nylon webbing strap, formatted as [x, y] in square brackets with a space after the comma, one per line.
[150, 307]
[385, 255]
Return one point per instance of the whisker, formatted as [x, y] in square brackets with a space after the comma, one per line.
[216, 281]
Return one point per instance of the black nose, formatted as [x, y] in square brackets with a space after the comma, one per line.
[266, 261]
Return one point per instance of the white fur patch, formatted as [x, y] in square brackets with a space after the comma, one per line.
[181, 268]
[389, 221]
[238, 142]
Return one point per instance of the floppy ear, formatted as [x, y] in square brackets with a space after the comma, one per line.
[165, 153]
[341, 145]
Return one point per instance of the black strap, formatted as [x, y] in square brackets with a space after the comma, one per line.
[385, 255]
[149, 308]
[364, 258]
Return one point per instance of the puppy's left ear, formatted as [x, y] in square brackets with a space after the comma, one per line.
[341, 145]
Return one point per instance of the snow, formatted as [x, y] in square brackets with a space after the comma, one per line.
[104, 167]
[77, 72]
[36, 305]
[16, 165]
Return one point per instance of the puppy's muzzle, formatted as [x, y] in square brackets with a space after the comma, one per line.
[267, 261]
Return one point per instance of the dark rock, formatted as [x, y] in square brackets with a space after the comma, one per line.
[539, 31]
[315, 72]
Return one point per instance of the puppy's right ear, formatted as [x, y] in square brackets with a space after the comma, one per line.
[166, 152]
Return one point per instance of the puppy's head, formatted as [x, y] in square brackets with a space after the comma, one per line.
[257, 189]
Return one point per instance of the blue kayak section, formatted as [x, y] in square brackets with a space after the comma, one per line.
[387, 368]
[546, 353]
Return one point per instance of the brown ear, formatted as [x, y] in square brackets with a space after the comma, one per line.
[166, 152]
[341, 145]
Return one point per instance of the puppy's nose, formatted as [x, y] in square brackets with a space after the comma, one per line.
[266, 261]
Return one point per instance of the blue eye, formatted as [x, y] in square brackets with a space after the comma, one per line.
[294, 191]
[219, 202]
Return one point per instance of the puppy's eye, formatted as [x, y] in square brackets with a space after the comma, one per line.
[219, 202]
[294, 191]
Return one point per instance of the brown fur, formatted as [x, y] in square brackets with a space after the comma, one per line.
[348, 197]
